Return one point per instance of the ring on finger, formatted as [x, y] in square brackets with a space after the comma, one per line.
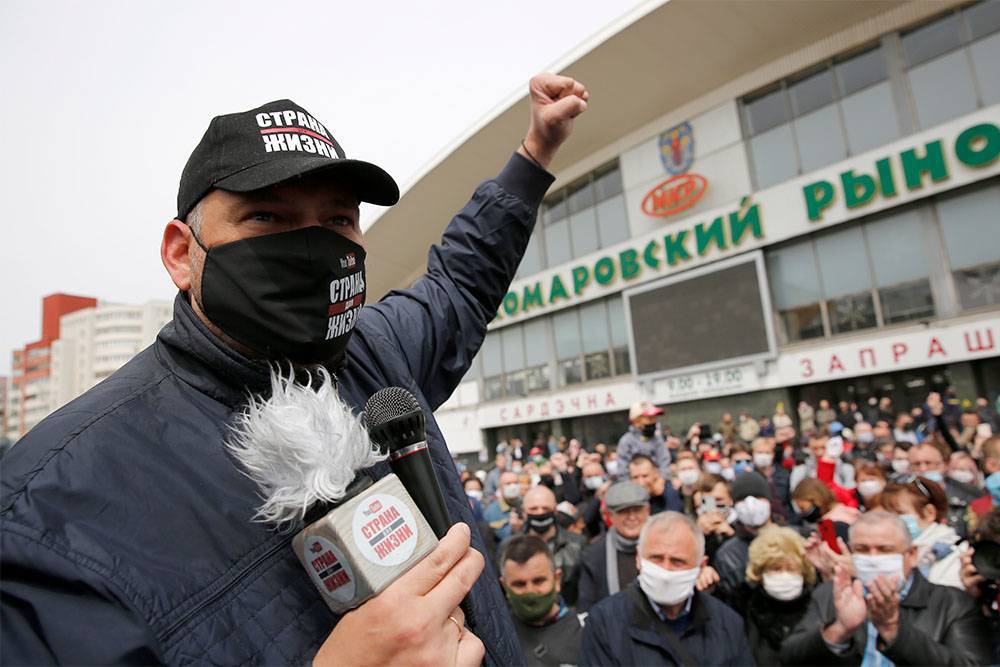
[458, 625]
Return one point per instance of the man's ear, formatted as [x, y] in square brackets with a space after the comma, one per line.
[175, 253]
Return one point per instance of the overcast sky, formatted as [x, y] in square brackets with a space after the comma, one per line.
[104, 101]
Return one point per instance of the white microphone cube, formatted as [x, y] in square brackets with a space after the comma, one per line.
[364, 544]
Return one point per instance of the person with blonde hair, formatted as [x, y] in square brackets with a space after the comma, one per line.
[779, 582]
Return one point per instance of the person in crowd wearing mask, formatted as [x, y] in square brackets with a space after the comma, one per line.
[547, 629]
[777, 476]
[780, 418]
[502, 514]
[688, 473]
[569, 517]
[900, 462]
[824, 460]
[642, 438]
[903, 430]
[814, 502]
[539, 509]
[779, 583]
[807, 417]
[871, 479]
[825, 414]
[712, 462]
[864, 436]
[662, 496]
[595, 483]
[923, 507]
[886, 413]
[608, 565]
[474, 491]
[963, 472]
[991, 471]
[883, 454]
[748, 427]
[665, 618]
[752, 504]
[740, 459]
[870, 410]
[927, 461]
[890, 613]
[714, 505]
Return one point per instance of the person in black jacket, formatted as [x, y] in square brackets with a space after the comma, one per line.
[128, 527]
[775, 598]
[890, 612]
[752, 505]
[628, 504]
[548, 630]
[663, 619]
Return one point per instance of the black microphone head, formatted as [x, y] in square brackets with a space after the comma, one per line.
[395, 418]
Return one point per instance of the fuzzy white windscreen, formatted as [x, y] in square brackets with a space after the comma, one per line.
[301, 445]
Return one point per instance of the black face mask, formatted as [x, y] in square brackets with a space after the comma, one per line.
[649, 430]
[812, 516]
[291, 295]
[539, 523]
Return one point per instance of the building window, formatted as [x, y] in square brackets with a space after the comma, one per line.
[846, 106]
[805, 122]
[969, 227]
[577, 220]
[853, 278]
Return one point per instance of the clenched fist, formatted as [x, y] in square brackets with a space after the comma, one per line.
[555, 101]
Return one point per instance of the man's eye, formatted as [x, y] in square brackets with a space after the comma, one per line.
[262, 216]
[341, 221]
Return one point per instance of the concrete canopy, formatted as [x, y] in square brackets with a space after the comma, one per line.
[663, 58]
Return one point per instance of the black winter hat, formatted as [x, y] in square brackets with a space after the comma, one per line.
[750, 484]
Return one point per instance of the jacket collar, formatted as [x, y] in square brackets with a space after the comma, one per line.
[920, 591]
[646, 627]
[200, 359]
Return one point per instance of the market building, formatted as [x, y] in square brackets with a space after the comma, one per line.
[766, 202]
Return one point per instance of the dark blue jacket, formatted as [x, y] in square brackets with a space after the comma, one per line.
[620, 632]
[126, 526]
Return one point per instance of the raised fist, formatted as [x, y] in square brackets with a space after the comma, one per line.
[555, 101]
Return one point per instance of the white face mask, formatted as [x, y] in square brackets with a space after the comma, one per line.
[869, 567]
[666, 587]
[963, 476]
[475, 494]
[900, 465]
[688, 477]
[870, 487]
[834, 447]
[713, 467]
[728, 474]
[535, 480]
[593, 483]
[511, 491]
[763, 460]
[753, 511]
[783, 585]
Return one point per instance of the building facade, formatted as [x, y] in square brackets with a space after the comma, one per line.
[823, 222]
[82, 343]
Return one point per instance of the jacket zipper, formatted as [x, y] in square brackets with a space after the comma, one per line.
[176, 625]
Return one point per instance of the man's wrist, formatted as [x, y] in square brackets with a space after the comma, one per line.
[836, 633]
[887, 633]
[537, 151]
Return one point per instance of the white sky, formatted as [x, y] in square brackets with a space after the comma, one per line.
[103, 101]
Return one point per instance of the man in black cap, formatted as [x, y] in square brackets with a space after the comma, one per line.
[608, 565]
[128, 532]
[752, 504]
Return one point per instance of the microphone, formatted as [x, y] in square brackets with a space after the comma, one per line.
[305, 448]
[396, 423]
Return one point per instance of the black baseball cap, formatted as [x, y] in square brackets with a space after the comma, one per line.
[265, 146]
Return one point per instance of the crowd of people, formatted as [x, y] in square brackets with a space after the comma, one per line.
[852, 535]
